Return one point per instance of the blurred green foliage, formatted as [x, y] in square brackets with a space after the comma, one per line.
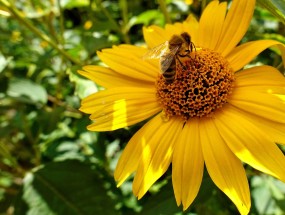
[49, 162]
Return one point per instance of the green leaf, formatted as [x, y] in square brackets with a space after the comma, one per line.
[4, 62]
[93, 44]
[62, 188]
[5, 153]
[146, 18]
[161, 203]
[268, 195]
[276, 7]
[27, 91]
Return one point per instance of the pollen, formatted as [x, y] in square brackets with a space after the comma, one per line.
[203, 82]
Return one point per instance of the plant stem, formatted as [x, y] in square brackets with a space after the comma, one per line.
[61, 21]
[18, 16]
[110, 18]
[280, 66]
[125, 29]
[163, 8]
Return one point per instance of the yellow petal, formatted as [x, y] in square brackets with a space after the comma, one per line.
[130, 157]
[154, 35]
[259, 76]
[108, 78]
[249, 143]
[211, 24]
[128, 61]
[187, 164]
[235, 25]
[120, 107]
[274, 130]
[243, 54]
[225, 169]
[260, 100]
[156, 155]
[175, 28]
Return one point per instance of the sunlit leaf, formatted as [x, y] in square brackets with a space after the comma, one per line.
[68, 4]
[27, 91]
[68, 187]
[268, 195]
[4, 62]
[276, 7]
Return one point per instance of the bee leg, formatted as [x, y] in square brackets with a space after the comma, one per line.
[184, 124]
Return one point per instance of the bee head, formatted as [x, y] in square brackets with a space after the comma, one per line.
[186, 37]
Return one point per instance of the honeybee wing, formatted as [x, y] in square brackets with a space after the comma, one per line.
[157, 51]
[167, 59]
[163, 52]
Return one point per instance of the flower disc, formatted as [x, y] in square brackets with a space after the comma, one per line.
[204, 80]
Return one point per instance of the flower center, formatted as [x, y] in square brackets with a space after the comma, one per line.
[203, 82]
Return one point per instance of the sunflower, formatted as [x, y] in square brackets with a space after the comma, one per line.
[214, 112]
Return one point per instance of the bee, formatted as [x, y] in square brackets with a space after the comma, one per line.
[169, 53]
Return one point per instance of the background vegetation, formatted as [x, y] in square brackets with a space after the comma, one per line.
[49, 162]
